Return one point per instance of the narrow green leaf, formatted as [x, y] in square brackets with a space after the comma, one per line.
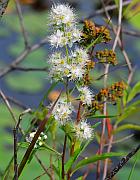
[23, 144]
[125, 97]
[116, 2]
[135, 90]
[95, 158]
[133, 168]
[129, 8]
[77, 153]
[127, 126]
[102, 116]
[96, 125]
[51, 149]
[130, 110]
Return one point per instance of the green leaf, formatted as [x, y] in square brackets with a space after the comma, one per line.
[77, 153]
[126, 127]
[130, 8]
[23, 144]
[125, 97]
[51, 149]
[133, 168]
[102, 116]
[130, 110]
[96, 125]
[135, 90]
[95, 158]
[116, 2]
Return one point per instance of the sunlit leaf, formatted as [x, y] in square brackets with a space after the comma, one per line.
[135, 90]
[126, 127]
[93, 159]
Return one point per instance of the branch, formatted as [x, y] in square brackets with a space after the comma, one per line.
[22, 56]
[31, 146]
[3, 6]
[122, 162]
[29, 69]
[108, 8]
[24, 32]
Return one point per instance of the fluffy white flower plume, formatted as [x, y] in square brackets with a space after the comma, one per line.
[86, 95]
[63, 21]
[58, 66]
[62, 14]
[66, 37]
[62, 111]
[83, 130]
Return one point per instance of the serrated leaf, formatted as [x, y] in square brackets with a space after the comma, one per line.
[95, 158]
[135, 90]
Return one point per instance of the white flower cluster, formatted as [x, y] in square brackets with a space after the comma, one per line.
[65, 33]
[60, 68]
[70, 65]
[83, 130]
[63, 21]
[86, 95]
[62, 111]
[39, 142]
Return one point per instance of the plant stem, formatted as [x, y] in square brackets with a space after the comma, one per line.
[63, 158]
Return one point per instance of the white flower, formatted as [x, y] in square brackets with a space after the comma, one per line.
[83, 130]
[62, 14]
[58, 66]
[80, 56]
[66, 37]
[58, 39]
[40, 140]
[57, 59]
[76, 34]
[62, 111]
[76, 72]
[86, 95]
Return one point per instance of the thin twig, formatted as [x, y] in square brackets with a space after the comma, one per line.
[29, 68]
[15, 132]
[43, 166]
[10, 109]
[3, 6]
[63, 157]
[120, 140]
[108, 8]
[122, 162]
[24, 32]
[31, 146]
[8, 106]
[107, 69]
[18, 103]
[38, 177]
[22, 56]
